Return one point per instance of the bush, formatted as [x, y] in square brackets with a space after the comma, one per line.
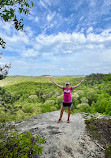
[49, 102]
[56, 94]
[28, 108]
[101, 105]
[84, 107]
[108, 152]
[19, 145]
[35, 93]
[84, 100]
[75, 97]
[59, 99]
[90, 93]
[81, 105]
[80, 93]
[33, 97]
[53, 108]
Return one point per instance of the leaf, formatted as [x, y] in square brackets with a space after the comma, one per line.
[32, 3]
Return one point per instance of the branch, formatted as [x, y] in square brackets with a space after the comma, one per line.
[1, 2]
[99, 145]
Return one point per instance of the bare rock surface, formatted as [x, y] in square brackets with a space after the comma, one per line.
[63, 140]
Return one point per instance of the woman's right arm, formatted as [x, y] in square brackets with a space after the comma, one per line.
[56, 84]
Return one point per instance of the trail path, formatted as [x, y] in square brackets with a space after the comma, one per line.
[63, 140]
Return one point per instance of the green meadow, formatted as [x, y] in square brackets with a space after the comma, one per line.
[22, 97]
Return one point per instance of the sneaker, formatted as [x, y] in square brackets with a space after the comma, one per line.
[68, 121]
[59, 120]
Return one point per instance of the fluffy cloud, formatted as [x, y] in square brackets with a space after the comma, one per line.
[49, 54]
[68, 43]
[29, 53]
[50, 16]
[61, 38]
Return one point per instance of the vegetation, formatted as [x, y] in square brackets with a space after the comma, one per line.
[4, 69]
[13, 144]
[10, 11]
[108, 152]
[100, 130]
[23, 97]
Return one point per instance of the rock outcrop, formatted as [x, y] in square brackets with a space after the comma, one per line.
[63, 140]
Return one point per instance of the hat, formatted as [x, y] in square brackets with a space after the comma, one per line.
[67, 83]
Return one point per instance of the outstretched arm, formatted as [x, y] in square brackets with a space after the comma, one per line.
[78, 84]
[54, 82]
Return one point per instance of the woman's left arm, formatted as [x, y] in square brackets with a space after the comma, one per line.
[73, 87]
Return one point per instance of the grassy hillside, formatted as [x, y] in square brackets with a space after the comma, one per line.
[25, 96]
[9, 80]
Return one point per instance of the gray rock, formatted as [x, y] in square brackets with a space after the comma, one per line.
[63, 140]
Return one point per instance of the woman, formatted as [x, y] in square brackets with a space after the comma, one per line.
[67, 100]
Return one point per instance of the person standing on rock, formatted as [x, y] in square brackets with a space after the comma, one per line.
[67, 100]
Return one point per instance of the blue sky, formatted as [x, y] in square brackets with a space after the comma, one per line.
[63, 37]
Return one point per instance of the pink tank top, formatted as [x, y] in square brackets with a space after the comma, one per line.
[67, 95]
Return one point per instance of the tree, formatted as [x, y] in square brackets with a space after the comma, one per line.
[9, 12]
[4, 69]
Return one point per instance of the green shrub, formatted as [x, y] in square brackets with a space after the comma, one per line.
[33, 95]
[28, 108]
[13, 144]
[49, 102]
[80, 93]
[75, 97]
[53, 108]
[84, 100]
[59, 99]
[101, 105]
[108, 151]
[90, 93]
[84, 107]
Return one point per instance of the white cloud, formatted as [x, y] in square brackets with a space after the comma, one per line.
[44, 50]
[68, 51]
[6, 26]
[18, 40]
[80, 2]
[42, 4]
[90, 29]
[50, 16]
[104, 36]
[62, 69]
[82, 17]
[68, 43]
[29, 31]
[36, 19]
[106, 32]
[60, 43]
[29, 53]
[92, 3]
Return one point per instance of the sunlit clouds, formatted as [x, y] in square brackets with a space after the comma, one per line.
[61, 39]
